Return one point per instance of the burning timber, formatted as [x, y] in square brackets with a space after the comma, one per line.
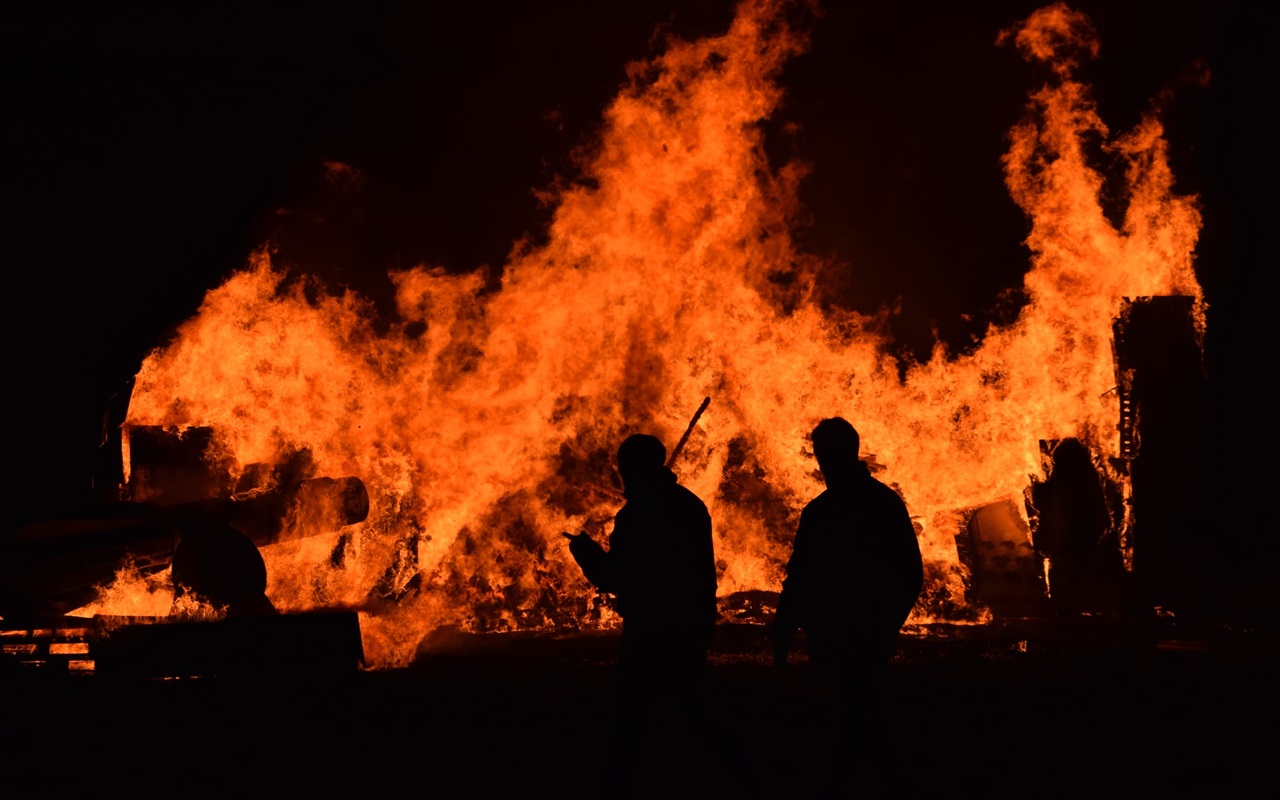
[52, 565]
[290, 645]
[178, 513]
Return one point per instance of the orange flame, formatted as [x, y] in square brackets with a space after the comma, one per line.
[480, 420]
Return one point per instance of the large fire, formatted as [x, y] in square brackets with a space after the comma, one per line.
[483, 421]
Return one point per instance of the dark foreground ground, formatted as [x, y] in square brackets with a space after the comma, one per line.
[1020, 708]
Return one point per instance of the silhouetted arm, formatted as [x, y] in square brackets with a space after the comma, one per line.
[907, 565]
[596, 565]
[787, 622]
[784, 636]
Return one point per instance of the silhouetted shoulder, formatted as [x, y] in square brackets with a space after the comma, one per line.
[690, 501]
[887, 494]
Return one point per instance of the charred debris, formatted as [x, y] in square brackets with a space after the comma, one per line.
[1126, 539]
[178, 509]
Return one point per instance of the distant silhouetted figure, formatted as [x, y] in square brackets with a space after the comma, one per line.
[1074, 533]
[661, 567]
[854, 575]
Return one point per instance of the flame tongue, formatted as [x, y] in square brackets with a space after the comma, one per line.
[669, 276]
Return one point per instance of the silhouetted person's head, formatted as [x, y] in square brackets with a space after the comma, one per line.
[835, 445]
[1071, 455]
[641, 460]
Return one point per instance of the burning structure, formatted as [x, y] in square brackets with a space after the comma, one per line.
[481, 418]
[192, 540]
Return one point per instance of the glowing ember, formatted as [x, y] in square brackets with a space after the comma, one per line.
[483, 421]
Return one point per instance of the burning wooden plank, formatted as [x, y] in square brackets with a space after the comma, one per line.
[53, 563]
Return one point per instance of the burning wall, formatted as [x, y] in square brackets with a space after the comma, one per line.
[483, 420]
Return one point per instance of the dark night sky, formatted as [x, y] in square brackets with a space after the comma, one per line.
[151, 150]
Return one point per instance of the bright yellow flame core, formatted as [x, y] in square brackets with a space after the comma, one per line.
[671, 277]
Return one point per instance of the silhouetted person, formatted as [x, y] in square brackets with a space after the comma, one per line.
[661, 567]
[854, 575]
[1074, 533]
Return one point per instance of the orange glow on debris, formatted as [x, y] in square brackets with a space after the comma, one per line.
[483, 420]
